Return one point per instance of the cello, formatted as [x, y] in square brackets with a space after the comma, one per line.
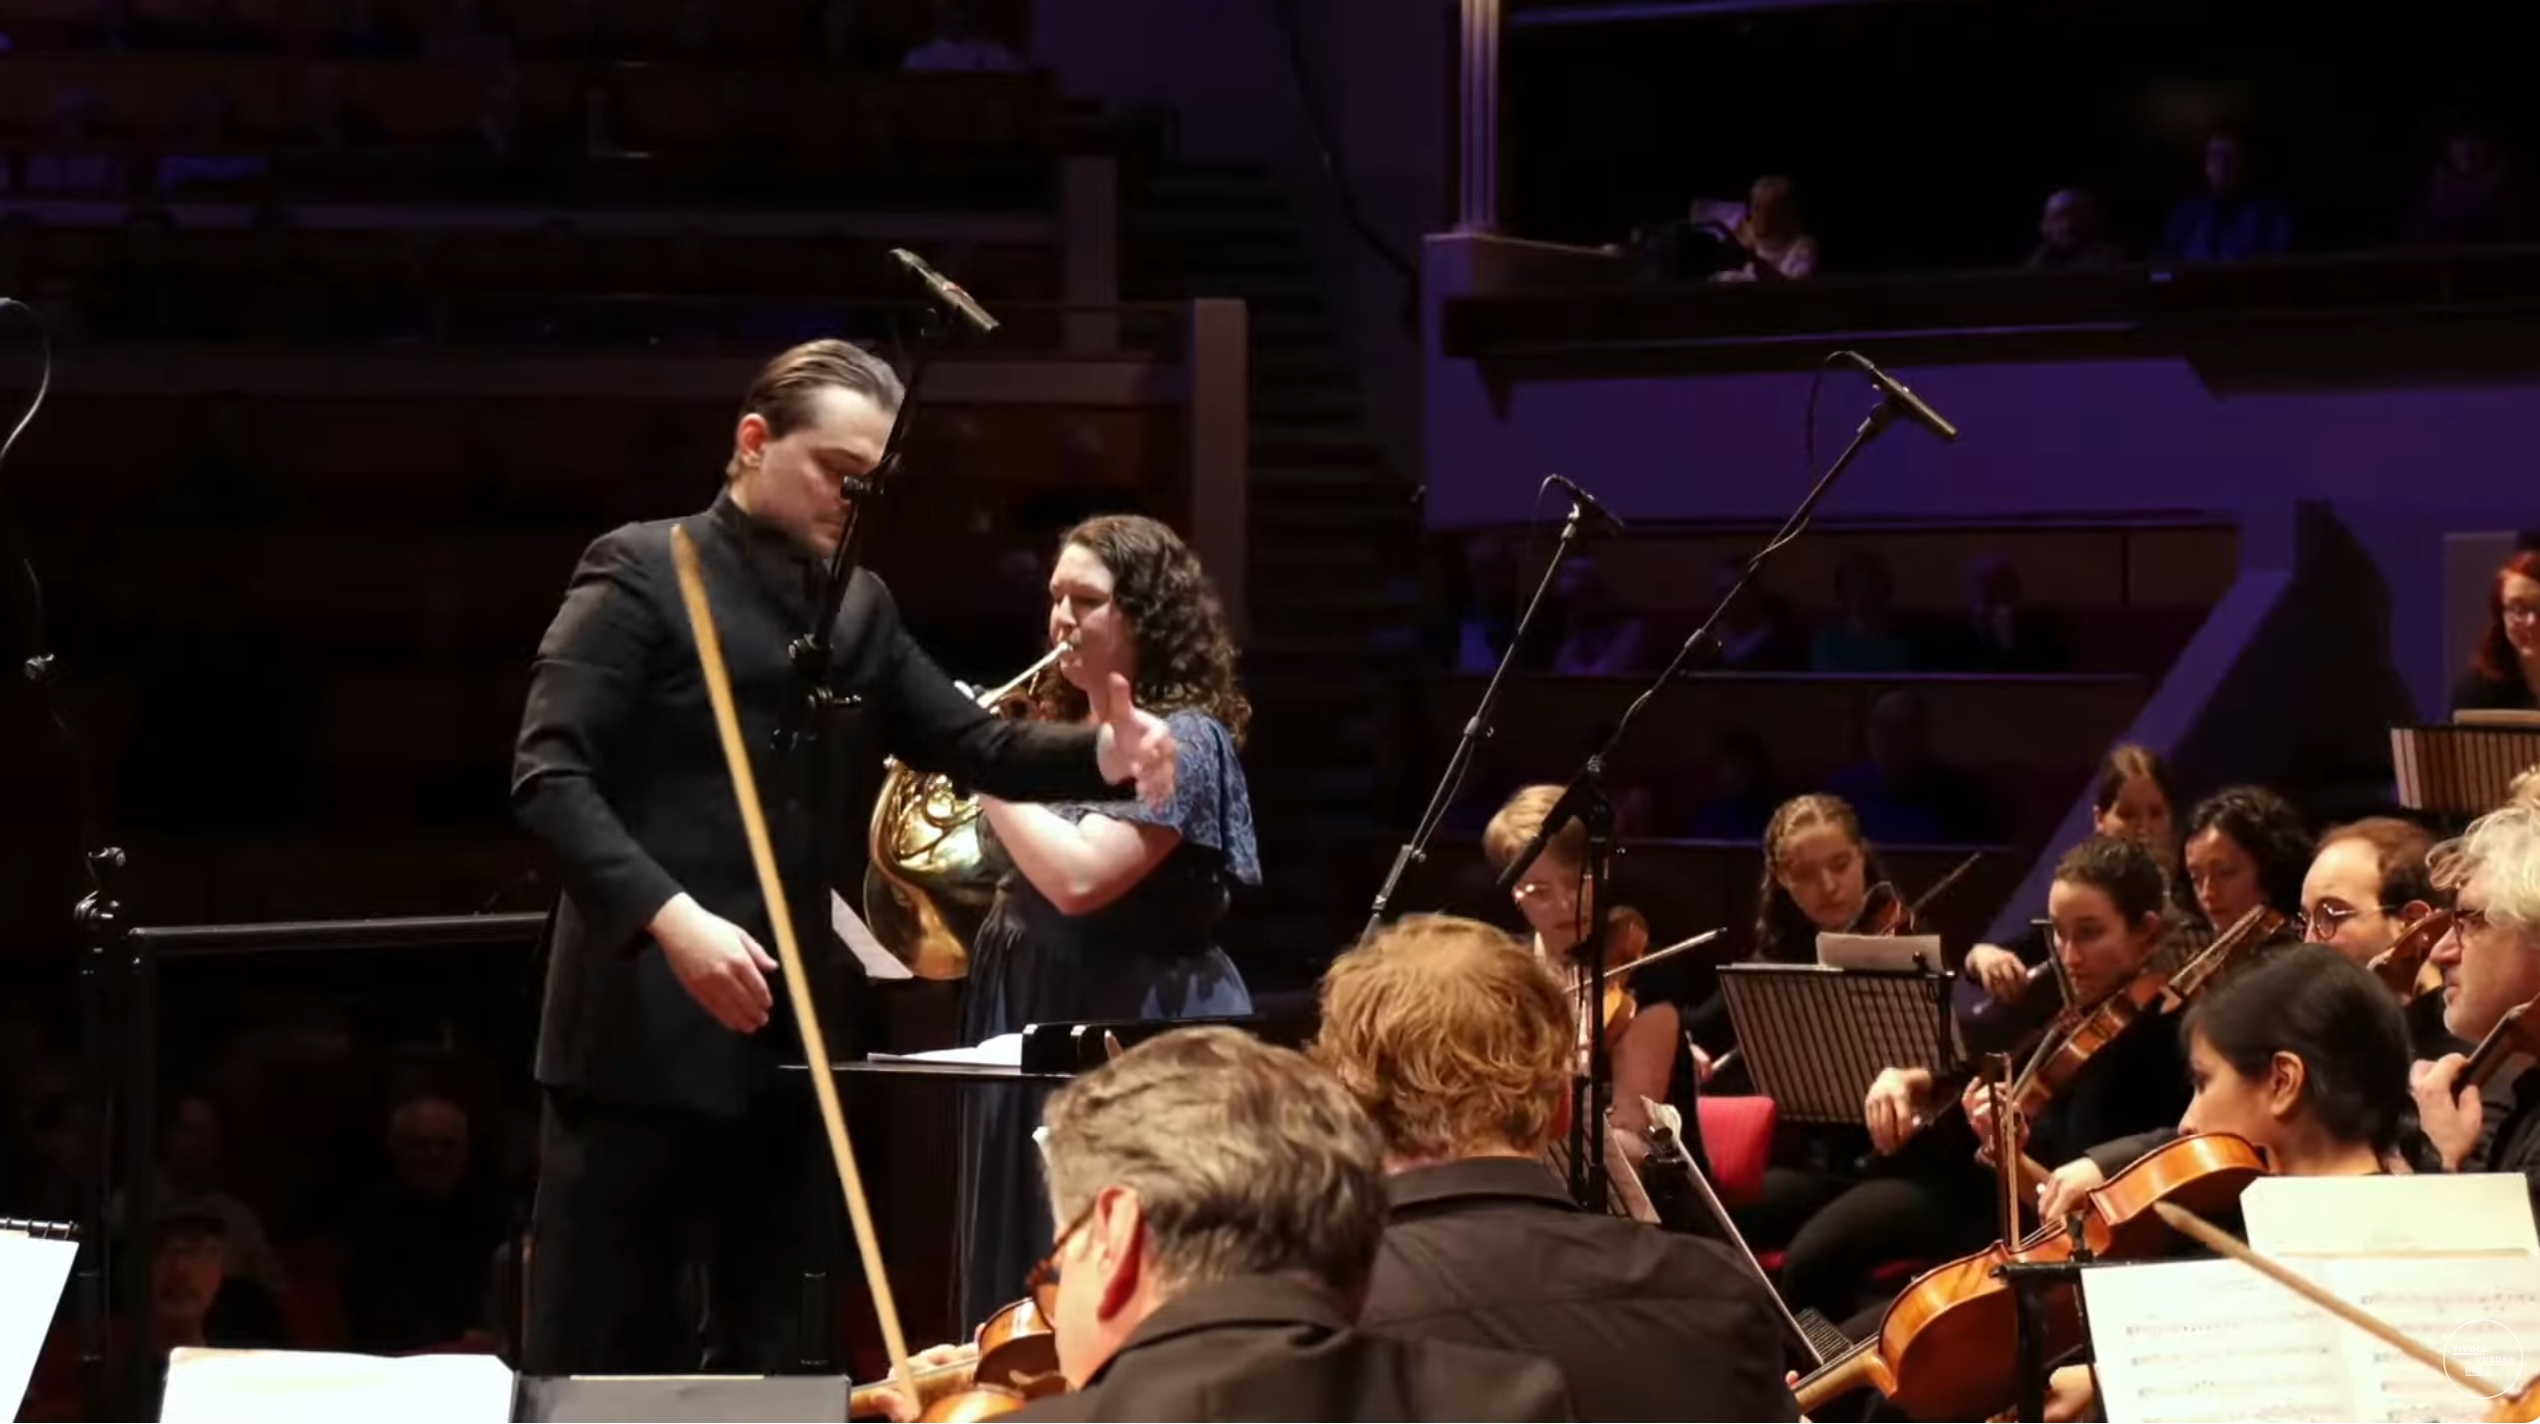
[1939, 1351]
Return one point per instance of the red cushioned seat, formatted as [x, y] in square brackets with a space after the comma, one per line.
[1737, 1135]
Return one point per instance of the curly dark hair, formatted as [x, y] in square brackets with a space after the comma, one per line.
[2121, 870]
[2269, 829]
[1186, 655]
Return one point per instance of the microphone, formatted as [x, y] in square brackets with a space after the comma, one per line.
[1584, 500]
[1910, 403]
[947, 291]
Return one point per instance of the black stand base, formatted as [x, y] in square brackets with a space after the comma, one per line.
[2029, 1282]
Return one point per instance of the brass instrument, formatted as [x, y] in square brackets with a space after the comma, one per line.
[927, 887]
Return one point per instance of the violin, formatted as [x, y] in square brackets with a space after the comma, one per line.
[2520, 1407]
[1016, 1362]
[1884, 911]
[2061, 1058]
[2404, 968]
[1938, 1352]
[1626, 940]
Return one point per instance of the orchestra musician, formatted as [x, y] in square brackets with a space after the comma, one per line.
[1553, 894]
[1110, 907]
[2366, 884]
[663, 1109]
[2134, 798]
[2302, 1052]
[2491, 966]
[2245, 847]
[1223, 1202]
[1818, 870]
[2504, 670]
[1458, 1044]
[2524, 789]
[1926, 1195]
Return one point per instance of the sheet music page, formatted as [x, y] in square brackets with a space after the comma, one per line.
[1849, 951]
[323, 1388]
[2477, 1309]
[2345, 1216]
[2451, 1261]
[877, 962]
[32, 1274]
[2184, 1341]
[1003, 1051]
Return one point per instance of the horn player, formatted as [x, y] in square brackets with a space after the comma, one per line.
[664, 1111]
[1106, 908]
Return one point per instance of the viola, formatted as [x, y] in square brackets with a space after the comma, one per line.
[2517, 1032]
[2520, 1407]
[1016, 1362]
[2403, 968]
[1941, 1349]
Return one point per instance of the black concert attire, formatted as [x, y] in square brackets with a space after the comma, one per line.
[1151, 954]
[2477, 692]
[2509, 1138]
[659, 1120]
[1268, 1347]
[1933, 1200]
[1643, 1323]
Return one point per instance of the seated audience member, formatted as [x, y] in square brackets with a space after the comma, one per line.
[2072, 237]
[2475, 195]
[2504, 673]
[1492, 601]
[190, 1185]
[195, 1302]
[1755, 632]
[961, 46]
[1741, 794]
[1767, 228]
[415, 1256]
[1597, 639]
[1224, 1201]
[1458, 1044]
[1904, 795]
[2245, 847]
[1863, 636]
[2491, 964]
[2000, 633]
[2228, 221]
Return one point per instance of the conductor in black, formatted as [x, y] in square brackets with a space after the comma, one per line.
[666, 1121]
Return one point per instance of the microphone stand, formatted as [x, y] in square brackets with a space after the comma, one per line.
[810, 652]
[1584, 800]
[1477, 728]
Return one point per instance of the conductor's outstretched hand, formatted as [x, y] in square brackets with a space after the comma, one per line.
[1134, 744]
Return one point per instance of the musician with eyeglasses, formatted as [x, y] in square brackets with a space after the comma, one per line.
[1223, 1201]
[2491, 971]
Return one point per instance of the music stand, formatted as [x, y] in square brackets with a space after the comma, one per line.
[1815, 1039]
[2461, 770]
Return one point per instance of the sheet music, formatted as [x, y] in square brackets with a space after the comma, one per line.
[270, 1386]
[877, 962]
[32, 1273]
[2187, 1341]
[2344, 1216]
[1003, 1051]
[1851, 951]
[2452, 1262]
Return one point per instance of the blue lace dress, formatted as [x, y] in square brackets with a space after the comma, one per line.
[1151, 954]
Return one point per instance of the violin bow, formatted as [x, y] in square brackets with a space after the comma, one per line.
[1941, 886]
[2188, 1223]
[736, 756]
